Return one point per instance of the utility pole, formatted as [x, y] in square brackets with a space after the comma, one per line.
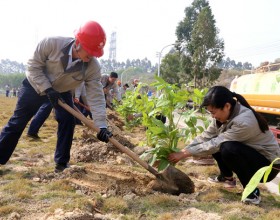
[159, 57]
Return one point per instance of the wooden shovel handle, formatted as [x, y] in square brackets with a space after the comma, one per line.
[122, 148]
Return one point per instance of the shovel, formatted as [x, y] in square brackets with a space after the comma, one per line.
[171, 180]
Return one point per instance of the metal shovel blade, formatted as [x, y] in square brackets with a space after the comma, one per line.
[173, 181]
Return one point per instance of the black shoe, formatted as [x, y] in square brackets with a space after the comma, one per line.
[59, 167]
[253, 198]
[34, 136]
[227, 183]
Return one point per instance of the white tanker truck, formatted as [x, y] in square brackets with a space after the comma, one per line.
[262, 92]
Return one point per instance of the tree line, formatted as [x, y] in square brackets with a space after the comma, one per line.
[13, 72]
[7, 66]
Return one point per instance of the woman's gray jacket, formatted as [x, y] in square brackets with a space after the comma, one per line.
[243, 127]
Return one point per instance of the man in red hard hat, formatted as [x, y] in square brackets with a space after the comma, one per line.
[58, 65]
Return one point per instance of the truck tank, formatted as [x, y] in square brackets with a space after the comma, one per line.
[262, 92]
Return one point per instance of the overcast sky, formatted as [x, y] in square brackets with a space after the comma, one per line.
[250, 28]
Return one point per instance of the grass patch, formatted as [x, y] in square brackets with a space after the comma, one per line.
[19, 189]
[59, 190]
[166, 216]
[40, 149]
[240, 211]
[273, 214]
[115, 204]
[153, 205]
[71, 204]
[60, 185]
[211, 195]
[209, 207]
[54, 195]
[14, 175]
[270, 200]
[7, 209]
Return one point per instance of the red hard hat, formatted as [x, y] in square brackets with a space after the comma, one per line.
[92, 38]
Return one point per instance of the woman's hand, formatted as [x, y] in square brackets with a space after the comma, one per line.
[177, 156]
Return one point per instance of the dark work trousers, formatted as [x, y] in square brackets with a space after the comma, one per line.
[40, 117]
[28, 104]
[243, 160]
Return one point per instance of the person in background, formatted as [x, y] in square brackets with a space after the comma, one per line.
[149, 94]
[123, 89]
[119, 83]
[59, 65]
[14, 92]
[135, 83]
[238, 138]
[110, 88]
[17, 91]
[8, 88]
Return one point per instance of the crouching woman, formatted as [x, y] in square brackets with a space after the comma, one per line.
[238, 138]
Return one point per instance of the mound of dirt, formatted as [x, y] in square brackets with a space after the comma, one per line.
[107, 180]
[90, 150]
[115, 119]
[93, 150]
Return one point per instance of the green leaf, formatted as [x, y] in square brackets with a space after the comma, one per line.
[189, 123]
[200, 128]
[197, 92]
[253, 183]
[163, 164]
[144, 155]
[156, 130]
[194, 120]
[267, 172]
[162, 102]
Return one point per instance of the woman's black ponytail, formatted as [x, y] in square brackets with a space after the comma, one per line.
[261, 120]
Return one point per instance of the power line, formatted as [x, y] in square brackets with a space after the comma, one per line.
[257, 47]
[258, 50]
